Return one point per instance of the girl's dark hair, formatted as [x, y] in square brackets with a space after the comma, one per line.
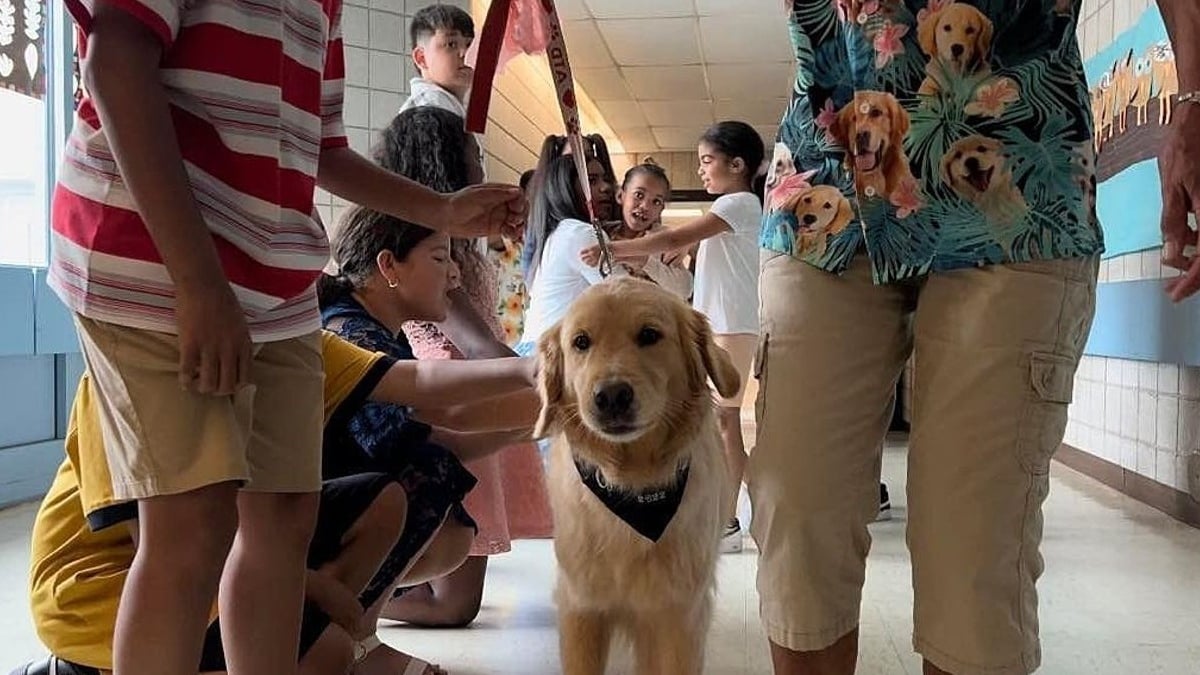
[526, 179]
[738, 139]
[653, 170]
[425, 144]
[428, 145]
[361, 237]
[558, 198]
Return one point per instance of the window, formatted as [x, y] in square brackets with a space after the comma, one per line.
[24, 116]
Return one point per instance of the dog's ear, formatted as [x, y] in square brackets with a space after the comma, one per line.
[983, 51]
[550, 380]
[900, 121]
[840, 128]
[927, 33]
[710, 361]
[845, 215]
[947, 160]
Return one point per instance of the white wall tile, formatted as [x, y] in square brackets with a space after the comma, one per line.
[1168, 423]
[1129, 374]
[1147, 376]
[1181, 473]
[1189, 427]
[1112, 408]
[1129, 413]
[387, 32]
[387, 71]
[1147, 417]
[1146, 459]
[360, 140]
[1129, 454]
[356, 112]
[1189, 382]
[1112, 444]
[357, 70]
[1168, 378]
[1165, 468]
[354, 26]
[384, 106]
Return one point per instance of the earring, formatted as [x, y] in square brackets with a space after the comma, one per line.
[392, 284]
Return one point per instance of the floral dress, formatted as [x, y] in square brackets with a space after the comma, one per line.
[512, 295]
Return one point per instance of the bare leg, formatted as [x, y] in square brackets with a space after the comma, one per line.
[839, 659]
[730, 420]
[451, 601]
[262, 590]
[173, 580]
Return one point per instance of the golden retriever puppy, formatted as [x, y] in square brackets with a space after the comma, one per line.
[781, 166]
[976, 168]
[821, 212]
[636, 475]
[872, 129]
[958, 41]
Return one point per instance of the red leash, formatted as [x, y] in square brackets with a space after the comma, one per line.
[500, 17]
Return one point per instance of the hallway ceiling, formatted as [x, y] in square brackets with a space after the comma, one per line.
[661, 71]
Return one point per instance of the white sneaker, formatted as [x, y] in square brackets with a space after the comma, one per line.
[731, 541]
[885, 504]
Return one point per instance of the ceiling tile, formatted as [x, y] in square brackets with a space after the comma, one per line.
[572, 9]
[603, 83]
[723, 39]
[750, 81]
[678, 138]
[632, 9]
[638, 140]
[752, 111]
[773, 8]
[622, 115]
[652, 42]
[677, 113]
[585, 46]
[650, 83]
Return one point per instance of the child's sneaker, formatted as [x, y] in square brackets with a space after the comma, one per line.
[885, 504]
[731, 541]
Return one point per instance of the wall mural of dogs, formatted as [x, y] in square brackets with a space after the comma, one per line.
[977, 169]
[871, 128]
[636, 475]
[1134, 81]
[958, 40]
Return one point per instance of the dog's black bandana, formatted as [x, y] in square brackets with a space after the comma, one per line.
[649, 512]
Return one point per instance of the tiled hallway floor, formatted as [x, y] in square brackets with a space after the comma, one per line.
[1121, 596]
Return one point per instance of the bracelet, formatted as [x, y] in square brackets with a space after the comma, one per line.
[1188, 97]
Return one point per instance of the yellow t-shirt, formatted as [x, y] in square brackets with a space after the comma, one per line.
[82, 549]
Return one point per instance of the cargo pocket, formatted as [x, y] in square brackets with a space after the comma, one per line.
[1052, 382]
[760, 374]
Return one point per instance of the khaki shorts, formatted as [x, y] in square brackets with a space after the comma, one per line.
[162, 440]
[740, 347]
[995, 351]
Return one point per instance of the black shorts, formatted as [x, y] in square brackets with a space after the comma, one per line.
[343, 502]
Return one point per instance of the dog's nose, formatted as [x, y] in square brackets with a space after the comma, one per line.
[863, 139]
[613, 399]
[809, 219]
[972, 164]
[957, 50]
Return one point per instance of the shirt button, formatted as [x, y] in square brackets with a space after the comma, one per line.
[869, 191]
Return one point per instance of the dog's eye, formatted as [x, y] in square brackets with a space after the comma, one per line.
[648, 336]
[828, 205]
[581, 342]
[981, 149]
[876, 113]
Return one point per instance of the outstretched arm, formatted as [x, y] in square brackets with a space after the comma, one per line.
[447, 383]
[666, 239]
[1179, 158]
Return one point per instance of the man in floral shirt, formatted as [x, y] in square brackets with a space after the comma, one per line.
[931, 195]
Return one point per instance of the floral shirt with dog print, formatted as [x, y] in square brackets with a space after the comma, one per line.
[934, 134]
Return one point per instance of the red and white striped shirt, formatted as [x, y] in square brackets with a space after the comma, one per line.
[255, 90]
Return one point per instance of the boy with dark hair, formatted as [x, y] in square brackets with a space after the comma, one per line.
[441, 35]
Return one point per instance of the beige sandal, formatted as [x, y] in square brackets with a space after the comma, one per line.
[415, 665]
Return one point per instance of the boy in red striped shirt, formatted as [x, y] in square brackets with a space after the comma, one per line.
[187, 245]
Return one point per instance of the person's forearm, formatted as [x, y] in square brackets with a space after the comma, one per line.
[334, 598]
[356, 179]
[122, 75]
[472, 446]
[469, 332]
[512, 411]
[1182, 18]
[446, 383]
[651, 244]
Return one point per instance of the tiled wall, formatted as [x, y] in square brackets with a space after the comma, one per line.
[1143, 416]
